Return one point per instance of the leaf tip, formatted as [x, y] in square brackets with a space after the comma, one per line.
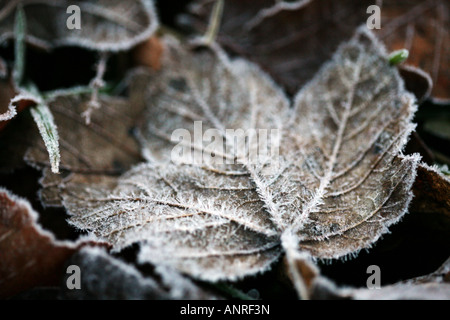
[398, 57]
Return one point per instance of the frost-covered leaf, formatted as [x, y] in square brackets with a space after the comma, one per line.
[9, 114]
[104, 25]
[428, 291]
[18, 101]
[335, 186]
[7, 110]
[29, 255]
[105, 278]
[435, 286]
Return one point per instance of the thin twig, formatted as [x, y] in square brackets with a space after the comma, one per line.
[96, 84]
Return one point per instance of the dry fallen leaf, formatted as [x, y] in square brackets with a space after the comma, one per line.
[29, 255]
[339, 185]
[291, 41]
[431, 192]
[7, 111]
[88, 152]
[105, 25]
[434, 286]
[105, 278]
[148, 53]
[417, 81]
[291, 44]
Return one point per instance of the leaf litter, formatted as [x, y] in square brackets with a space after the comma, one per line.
[342, 178]
[336, 191]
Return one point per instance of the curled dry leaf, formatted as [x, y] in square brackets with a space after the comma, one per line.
[105, 25]
[18, 101]
[339, 184]
[43, 119]
[417, 81]
[105, 278]
[432, 192]
[29, 255]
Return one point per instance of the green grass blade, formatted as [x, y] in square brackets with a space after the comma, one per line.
[20, 27]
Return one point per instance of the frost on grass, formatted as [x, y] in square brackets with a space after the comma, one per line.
[95, 153]
[105, 25]
[340, 183]
[49, 133]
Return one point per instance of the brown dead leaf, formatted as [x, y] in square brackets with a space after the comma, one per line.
[29, 255]
[108, 278]
[106, 147]
[7, 92]
[292, 43]
[431, 192]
